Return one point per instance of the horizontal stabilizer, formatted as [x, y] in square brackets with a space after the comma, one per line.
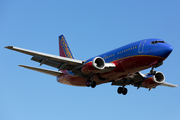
[50, 72]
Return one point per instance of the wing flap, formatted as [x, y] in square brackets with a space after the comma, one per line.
[46, 71]
[46, 62]
[134, 79]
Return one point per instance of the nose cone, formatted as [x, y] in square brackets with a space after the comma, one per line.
[166, 50]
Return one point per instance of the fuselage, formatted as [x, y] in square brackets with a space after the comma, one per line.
[128, 59]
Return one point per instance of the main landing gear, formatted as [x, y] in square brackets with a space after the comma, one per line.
[122, 90]
[91, 83]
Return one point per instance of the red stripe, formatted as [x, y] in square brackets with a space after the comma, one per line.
[61, 51]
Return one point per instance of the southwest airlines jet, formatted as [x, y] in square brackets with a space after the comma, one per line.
[120, 66]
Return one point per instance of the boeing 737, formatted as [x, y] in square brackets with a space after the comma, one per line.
[120, 66]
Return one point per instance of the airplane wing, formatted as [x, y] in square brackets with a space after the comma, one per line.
[136, 80]
[62, 63]
[169, 84]
[50, 72]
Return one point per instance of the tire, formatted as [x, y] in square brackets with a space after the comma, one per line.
[93, 85]
[124, 91]
[120, 90]
[88, 82]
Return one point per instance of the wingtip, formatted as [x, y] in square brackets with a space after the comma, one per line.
[9, 47]
[24, 66]
[175, 86]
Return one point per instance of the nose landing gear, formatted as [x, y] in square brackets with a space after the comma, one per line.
[152, 72]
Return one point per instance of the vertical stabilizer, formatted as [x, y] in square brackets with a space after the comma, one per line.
[64, 48]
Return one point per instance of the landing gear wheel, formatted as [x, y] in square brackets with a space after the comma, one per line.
[124, 91]
[93, 85]
[120, 90]
[88, 83]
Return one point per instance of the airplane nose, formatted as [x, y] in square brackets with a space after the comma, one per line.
[170, 48]
[167, 49]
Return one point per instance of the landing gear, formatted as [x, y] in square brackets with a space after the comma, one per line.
[91, 83]
[152, 72]
[122, 90]
[88, 83]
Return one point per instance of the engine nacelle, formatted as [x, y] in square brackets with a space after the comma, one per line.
[94, 66]
[151, 81]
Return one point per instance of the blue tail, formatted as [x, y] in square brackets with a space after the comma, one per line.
[64, 48]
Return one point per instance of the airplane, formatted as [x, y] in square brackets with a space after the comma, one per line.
[120, 66]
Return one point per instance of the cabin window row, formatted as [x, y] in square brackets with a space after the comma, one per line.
[127, 49]
[109, 56]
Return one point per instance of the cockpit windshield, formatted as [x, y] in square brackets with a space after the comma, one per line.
[155, 42]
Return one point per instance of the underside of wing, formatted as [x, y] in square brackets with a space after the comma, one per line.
[134, 79]
[50, 72]
[148, 80]
[62, 63]
[52, 57]
[169, 84]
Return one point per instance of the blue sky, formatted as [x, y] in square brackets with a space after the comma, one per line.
[91, 28]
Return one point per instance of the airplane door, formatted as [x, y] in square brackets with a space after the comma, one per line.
[141, 46]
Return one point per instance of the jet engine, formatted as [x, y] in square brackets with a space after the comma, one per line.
[151, 81]
[94, 66]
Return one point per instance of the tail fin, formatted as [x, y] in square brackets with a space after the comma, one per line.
[64, 48]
